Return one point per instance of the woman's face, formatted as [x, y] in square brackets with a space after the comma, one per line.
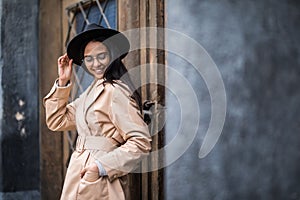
[96, 58]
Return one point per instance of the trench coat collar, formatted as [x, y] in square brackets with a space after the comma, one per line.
[94, 91]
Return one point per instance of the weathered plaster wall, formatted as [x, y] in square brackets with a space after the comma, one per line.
[255, 45]
[19, 133]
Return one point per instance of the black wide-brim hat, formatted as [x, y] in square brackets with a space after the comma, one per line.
[116, 42]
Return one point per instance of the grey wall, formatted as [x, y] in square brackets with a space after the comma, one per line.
[255, 45]
[19, 129]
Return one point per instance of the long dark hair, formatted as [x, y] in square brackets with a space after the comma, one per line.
[117, 71]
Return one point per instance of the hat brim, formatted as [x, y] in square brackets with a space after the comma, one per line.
[76, 46]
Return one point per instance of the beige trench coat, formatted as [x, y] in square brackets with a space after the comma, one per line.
[122, 138]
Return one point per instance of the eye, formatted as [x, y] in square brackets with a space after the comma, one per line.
[101, 56]
[88, 59]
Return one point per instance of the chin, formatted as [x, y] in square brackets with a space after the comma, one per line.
[98, 76]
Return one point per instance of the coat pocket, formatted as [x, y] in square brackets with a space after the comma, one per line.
[96, 190]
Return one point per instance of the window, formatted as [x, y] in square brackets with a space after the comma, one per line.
[81, 14]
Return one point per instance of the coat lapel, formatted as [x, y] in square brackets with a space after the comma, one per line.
[93, 94]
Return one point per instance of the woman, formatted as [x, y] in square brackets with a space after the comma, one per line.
[112, 136]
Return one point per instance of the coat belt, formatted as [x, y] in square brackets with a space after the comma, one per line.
[94, 143]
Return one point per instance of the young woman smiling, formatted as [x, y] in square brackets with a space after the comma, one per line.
[112, 136]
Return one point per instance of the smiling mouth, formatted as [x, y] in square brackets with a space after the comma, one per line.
[99, 71]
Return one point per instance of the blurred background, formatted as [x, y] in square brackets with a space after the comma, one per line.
[255, 46]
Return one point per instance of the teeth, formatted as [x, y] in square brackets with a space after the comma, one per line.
[99, 70]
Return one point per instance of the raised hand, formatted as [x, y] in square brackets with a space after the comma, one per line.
[64, 69]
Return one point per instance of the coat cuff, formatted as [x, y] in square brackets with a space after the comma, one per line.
[113, 174]
[59, 92]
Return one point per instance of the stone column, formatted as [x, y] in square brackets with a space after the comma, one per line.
[19, 105]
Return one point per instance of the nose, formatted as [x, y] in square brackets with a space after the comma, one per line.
[96, 62]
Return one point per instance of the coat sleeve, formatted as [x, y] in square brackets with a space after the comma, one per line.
[60, 115]
[126, 117]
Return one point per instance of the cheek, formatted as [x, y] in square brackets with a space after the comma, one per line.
[107, 62]
[89, 69]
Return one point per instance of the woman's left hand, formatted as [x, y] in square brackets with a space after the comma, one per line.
[90, 173]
